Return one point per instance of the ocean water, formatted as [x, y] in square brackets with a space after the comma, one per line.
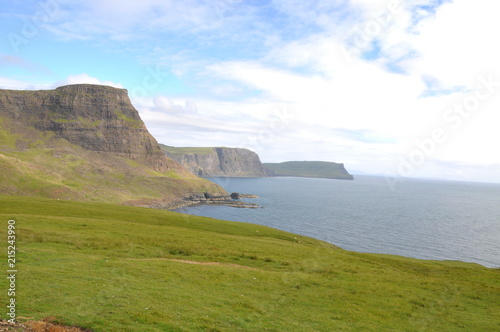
[426, 219]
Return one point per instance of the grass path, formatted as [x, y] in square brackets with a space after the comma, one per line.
[196, 263]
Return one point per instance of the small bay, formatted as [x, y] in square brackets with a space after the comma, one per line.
[426, 219]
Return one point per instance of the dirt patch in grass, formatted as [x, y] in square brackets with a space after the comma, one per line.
[45, 325]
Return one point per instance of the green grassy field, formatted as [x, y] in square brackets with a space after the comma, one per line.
[36, 163]
[115, 268]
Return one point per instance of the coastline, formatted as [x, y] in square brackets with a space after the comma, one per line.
[360, 216]
[232, 200]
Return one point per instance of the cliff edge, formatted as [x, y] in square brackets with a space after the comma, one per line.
[218, 162]
[97, 118]
[86, 142]
[313, 169]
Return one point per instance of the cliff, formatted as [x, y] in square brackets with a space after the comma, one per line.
[97, 118]
[236, 162]
[86, 142]
[218, 162]
[314, 169]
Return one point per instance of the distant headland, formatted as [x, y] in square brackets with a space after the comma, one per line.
[238, 162]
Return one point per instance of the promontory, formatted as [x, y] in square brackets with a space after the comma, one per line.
[86, 142]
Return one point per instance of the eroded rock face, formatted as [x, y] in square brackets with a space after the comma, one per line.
[223, 162]
[95, 117]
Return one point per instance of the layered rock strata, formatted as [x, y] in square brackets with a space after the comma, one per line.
[219, 162]
[95, 117]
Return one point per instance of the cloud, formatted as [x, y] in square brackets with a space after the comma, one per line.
[363, 79]
[85, 79]
[165, 104]
[353, 99]
[12, 84]
[124, 19]
[7, 83]
[9, 61]
[425, 66]
[13, 60]
[457, 45]
[256, 125]
[364, 136]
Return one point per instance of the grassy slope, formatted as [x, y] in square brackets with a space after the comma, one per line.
[316, 169]
[109, 268]
[36, 173]
[33, 163]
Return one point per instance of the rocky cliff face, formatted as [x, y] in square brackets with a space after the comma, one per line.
[87, 142]
[97, 118]
[223, 162]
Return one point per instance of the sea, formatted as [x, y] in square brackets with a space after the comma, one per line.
[425, 219]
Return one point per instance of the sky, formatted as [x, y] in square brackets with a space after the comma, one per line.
[397, 88]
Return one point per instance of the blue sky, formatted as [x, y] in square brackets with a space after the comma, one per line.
[402, 88]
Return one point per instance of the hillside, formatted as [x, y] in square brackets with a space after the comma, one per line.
[218, 162]
[86, 142]
[116, 268]
[314, 169]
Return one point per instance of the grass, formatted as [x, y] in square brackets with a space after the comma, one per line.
[48, 173]
[33, 163]
[131, 122]
[115, 268]
[5, 136]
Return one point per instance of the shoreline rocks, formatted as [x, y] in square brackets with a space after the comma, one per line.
[232, 200]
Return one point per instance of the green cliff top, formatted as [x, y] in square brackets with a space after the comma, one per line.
[314, 169]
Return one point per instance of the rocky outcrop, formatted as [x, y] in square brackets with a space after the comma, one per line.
[232, 200]
[97, 118]
[218, 162]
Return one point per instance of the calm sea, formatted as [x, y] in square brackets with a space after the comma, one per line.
[423, 219]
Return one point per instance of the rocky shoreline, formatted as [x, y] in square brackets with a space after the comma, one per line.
[232, 200]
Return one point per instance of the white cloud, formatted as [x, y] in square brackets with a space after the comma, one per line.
[165, 104]
[126, 19]
[85, 79]
[459, 44]
[7, 83]
[12, 84]
[361, 81]
[9, 61]
[330, 92]
[354, 99]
